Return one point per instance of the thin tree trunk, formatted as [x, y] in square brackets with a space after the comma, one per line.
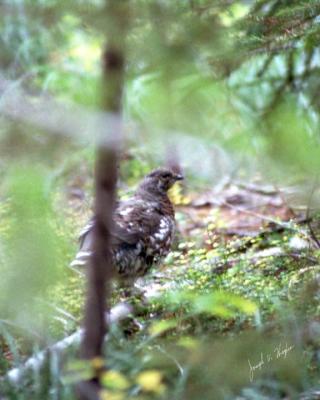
[100, 270]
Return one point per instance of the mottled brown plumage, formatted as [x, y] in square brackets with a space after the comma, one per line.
[143, 228]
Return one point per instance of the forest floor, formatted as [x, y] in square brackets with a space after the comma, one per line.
[218, 229]
[243, 261]
[237, 238]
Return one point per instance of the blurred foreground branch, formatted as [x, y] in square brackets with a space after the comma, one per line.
[45, 113]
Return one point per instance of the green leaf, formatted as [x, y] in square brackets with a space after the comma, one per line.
[159, 327]
[115, 380]
[78, 370]
[223, 304]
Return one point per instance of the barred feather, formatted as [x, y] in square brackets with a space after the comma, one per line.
[143, 228]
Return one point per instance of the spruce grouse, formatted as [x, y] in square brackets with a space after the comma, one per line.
[143, 228]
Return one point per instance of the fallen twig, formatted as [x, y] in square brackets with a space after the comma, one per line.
[282, 224]
[15, 375]
[265, 190]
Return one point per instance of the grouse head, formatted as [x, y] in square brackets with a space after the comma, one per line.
[160, 181]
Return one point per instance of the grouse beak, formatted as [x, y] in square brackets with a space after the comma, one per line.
[178, 177]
